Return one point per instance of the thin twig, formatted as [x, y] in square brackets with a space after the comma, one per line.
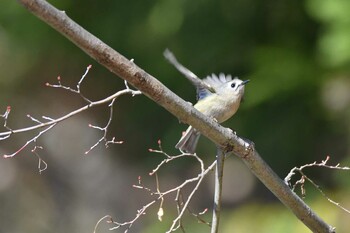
[179, 205]
[42, 165]
[105, 130]
[160, 212]
[70, 114]
[109, 220]
[182, 205]
[77, 91]
[190, 196]
[50, 122]
[30, 141]
[304, 177]
[5, 117]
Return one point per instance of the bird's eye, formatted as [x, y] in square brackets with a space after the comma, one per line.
[233, 85]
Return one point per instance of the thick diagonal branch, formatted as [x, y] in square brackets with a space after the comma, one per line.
[156, 91]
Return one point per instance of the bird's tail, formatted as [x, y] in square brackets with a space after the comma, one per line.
[188, 141]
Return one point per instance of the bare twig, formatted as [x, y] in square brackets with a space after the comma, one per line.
[55, 121]
[323, 163]
[179, 199]
[160, 212]
[5, 117]
[304, 177]
[109, 220]
[50, 122]
[42, 165]
[176, 221]
[30, 141]
[179, 206]
[182, 203]
[130, 223]
[168, 157]
[105, 130]
[77, 91]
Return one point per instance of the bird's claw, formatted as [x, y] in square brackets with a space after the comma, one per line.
[249, 145]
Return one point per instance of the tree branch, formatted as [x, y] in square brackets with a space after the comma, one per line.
[156, 91]
[219, 172]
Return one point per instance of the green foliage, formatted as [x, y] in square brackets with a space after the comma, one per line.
[264, 218]
[334, 42]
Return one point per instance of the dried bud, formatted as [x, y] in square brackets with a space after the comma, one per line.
[160, 214]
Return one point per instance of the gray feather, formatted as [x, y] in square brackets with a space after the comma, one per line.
[188, 141]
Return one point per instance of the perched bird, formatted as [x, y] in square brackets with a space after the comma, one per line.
[220, 105]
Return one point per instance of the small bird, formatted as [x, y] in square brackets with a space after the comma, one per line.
[220, 105]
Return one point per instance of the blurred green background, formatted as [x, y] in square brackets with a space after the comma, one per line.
[296, 110]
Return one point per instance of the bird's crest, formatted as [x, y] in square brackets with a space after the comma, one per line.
[214, 81]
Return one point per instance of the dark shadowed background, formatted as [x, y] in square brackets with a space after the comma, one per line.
[296, 110]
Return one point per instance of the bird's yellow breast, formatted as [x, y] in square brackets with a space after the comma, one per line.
[219, 107]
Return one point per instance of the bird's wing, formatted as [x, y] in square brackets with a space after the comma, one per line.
[186, 72]
[215, 82]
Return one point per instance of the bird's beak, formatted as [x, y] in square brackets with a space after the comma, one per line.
[245, 82]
